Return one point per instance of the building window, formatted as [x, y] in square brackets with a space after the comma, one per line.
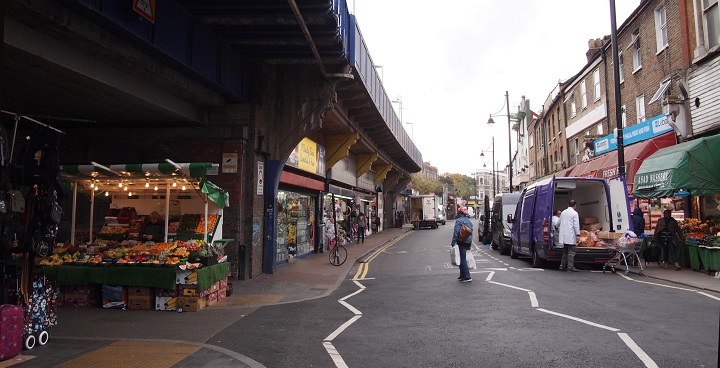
[596, 84]
[622, 66]
[635, 46]
[573, 108]
[577, 150]
[640, 108]
[583, 95]
[531, 140]
[600, 129]
[661, 33]
[711, 16]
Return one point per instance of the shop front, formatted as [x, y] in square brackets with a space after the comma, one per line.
[296, 226]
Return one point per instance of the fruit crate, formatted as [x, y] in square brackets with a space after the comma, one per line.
[186, 234]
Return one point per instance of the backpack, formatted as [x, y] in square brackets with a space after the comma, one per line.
[465, 233]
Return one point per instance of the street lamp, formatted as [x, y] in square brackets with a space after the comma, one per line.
[482, 154]
[399, 101]
[492, 122]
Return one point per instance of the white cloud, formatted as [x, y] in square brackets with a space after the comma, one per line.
[453, 62]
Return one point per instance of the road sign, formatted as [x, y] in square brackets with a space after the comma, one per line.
[146, 9]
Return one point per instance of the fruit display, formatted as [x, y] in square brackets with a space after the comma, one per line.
[195, 224]
[130, 253]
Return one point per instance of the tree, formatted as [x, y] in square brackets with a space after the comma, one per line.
[461, 184]
[423, 185]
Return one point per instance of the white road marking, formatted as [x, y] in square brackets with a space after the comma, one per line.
[342, 328]
[530, 269]
[613, 329]
[334, 355]
[510, 286]
[497, 268]
[708, 295]
[533, 299]
[355, 293]
[350, 307]
[637, 350]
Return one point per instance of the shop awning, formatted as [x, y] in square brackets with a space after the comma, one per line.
[150, 172]
[196, 170]
[693, 166]
[606, 165]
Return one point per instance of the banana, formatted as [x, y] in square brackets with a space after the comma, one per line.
[171, 304]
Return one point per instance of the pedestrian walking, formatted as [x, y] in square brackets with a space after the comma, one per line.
[569, 231]
[362, 224]
[667, 233]
[465, 244]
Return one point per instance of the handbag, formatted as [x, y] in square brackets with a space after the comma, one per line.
[455, 255]
[464, 234]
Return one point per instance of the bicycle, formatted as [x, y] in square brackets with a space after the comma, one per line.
[338, 254]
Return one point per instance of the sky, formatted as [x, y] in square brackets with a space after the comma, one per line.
[450, 63]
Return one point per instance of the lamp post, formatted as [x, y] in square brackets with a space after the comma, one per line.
[399, 101]
[492, 122]
[412, 136]
[492, 169]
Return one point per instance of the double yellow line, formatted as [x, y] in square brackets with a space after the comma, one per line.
[365, 265]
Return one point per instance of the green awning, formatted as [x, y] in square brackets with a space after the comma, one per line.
[215, 194]
[693, 166]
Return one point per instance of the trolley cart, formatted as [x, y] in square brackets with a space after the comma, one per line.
[626, 250]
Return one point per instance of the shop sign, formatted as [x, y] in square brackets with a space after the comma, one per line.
[653, 127]
[229, 163]
[308, 156]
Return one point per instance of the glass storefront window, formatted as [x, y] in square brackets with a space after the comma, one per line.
[294, 225]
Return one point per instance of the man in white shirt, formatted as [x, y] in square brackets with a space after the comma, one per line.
[569, 231]
[556, 229]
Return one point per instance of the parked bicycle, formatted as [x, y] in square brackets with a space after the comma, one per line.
[338, 254]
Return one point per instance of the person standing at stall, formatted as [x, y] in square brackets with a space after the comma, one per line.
[154, 229]
[667, 233]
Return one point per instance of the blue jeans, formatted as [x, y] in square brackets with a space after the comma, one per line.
[464, 269]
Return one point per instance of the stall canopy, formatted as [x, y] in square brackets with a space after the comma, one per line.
[692, 166]
[165, 172]
[606, 165]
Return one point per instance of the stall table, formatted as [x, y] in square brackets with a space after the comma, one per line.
[146, 276]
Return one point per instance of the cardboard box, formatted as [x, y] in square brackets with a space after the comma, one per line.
[139, 291]
[588, 220]
[81, 300]
[212, 298]
[166, 303]
[592, 227]
[114, 297]
[87, 289]
[222, 294]
[166, 292]
[223, 283]
[140, 302]
[609, 235]
[188, 290]
[186, 277]
[191, 303]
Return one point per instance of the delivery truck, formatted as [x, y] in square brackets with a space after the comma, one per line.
[424, 211]
[602, 206]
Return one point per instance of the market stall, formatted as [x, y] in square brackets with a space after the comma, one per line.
[182, 258]
[689, 170]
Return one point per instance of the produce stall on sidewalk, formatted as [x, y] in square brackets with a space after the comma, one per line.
[120, 265]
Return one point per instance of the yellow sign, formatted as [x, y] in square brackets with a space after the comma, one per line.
[307, 155]
[229, 162]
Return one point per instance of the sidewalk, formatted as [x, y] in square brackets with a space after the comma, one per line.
[98, 337]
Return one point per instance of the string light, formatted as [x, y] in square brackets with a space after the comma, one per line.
[147, 184]
[129, 194]
[183, 187]
[125, 188]
[156, 188]
[107, 194]
[174, 184]
[120, 185]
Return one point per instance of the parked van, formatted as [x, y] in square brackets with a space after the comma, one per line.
[500, 228]
[603, 201]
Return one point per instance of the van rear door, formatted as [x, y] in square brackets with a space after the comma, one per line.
[619, 205]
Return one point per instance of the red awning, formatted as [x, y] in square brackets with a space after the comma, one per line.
[606, 165]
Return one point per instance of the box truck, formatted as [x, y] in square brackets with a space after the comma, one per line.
[424, 211]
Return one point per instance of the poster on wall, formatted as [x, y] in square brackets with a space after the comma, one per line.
[308, 156]
[260, 177]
